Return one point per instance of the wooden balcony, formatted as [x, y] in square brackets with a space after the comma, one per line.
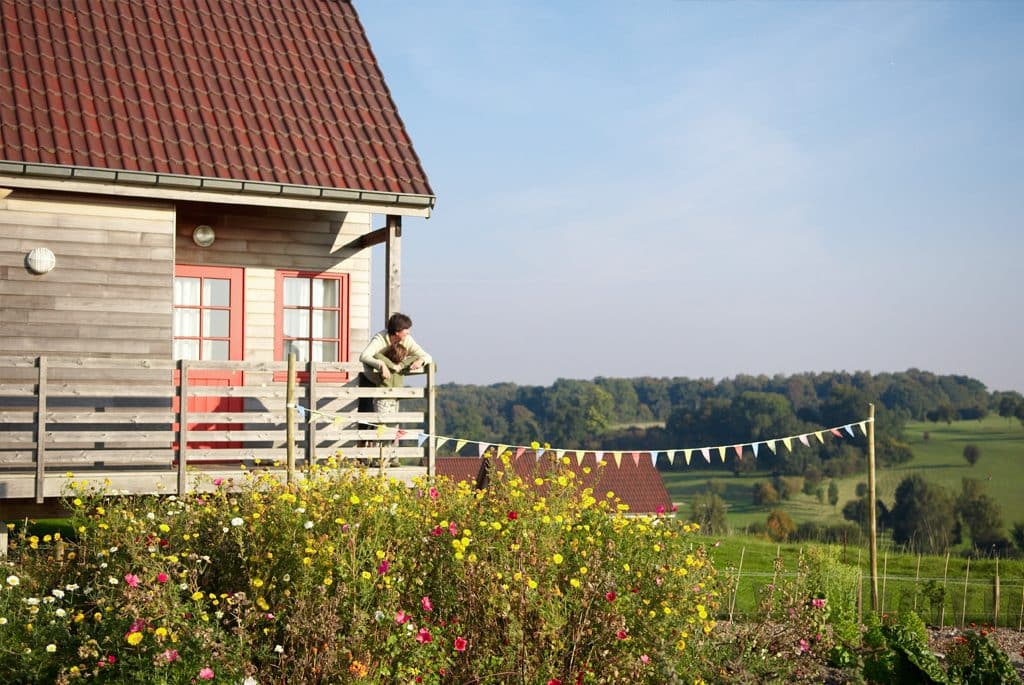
[134, 424]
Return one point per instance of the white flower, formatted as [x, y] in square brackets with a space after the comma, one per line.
[112, 580]
[250, 681]
[71, 587]
[237, 521]
[60, 613]
[225, 529]
[307, 525]
[3, 621]
[51, 648]
[279, 649]
[49, 600]
[151, 516]
[58, 593]
[103, 565]
[378, 616]
[13, 581]
[113, 549]
[300, 510]
[32, 601]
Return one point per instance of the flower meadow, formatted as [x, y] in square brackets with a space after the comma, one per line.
[348, 577]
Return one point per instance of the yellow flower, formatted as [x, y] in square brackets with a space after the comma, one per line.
[583, 570]
[366, 575]
[532, 584]
[262, 604]
[197, 595]
[160, 632]
[164, 528]
[328, 581]
[134, 638]
[575, 582]
[557, 558]
[257, 582]
[354, 499]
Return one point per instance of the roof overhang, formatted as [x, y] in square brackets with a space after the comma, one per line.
[203, 189]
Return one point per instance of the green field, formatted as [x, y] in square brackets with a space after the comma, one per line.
[939, 459]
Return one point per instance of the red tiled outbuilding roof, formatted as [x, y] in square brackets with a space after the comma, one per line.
[270, 91]
[636, 483]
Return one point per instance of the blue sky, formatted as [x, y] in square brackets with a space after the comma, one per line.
[700, 189]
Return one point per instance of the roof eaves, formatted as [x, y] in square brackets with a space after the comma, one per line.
[213, 184]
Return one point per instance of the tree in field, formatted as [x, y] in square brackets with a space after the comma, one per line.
[1018, 535]
[765, 494]
[981, 514]
[833, 493]
[944, 412]
[708, 509]
[972, 453]
[780, 526]
[924, 516]
[858, 511]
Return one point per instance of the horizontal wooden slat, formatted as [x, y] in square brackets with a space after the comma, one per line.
[27, 416]
[19, 361]
[257, 392]
[62, 459]
[102, 362]
[17, 390]
[76, 416]
[86, 390]
[108, 436]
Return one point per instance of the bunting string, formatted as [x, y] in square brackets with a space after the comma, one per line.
[384, 432]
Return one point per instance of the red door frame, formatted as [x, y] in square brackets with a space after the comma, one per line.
[236, 352]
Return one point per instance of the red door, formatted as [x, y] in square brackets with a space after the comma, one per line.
[208, 316]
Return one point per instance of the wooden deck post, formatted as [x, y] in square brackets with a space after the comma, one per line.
[872, 520]
[182, 427]
[41, 432]
[393, 257]
[431, 442]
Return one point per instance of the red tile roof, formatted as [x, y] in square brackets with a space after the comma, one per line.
[246, 90]
[636, 483]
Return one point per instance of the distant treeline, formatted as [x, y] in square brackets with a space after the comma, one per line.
[672, 413]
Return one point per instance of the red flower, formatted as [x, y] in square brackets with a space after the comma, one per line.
[425, 603]
[161, 577]
[610, 596]
[460, 644]
[423, 636]
[621, 635]
[513, 515]
[434, 493]
[383, 568]
[401, 617]
[436, 531]
[554, 681]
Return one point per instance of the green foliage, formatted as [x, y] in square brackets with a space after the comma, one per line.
[975, 660]
[779, 525]
[972, 453]
[349, 578]
[896, 651]
[923, 516]
[708, 510]
[833, 493]
[764, 494]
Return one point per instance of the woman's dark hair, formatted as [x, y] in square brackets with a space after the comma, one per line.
[398, 322]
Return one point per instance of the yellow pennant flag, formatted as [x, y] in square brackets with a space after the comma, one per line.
[617, 456]
[672, 457]
[788, 442]
[863, 427]
[559, 454]
[440, 441]
[501, 450]
[579, 457]
[686, 456]
[721, 453]
[820, 437]
[459, 445]
[337, 421]
[380, 430]
[771, 445]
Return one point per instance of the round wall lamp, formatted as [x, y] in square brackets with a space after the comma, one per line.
[203, 235]
[40, 260]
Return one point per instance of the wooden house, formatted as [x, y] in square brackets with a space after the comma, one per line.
[188, 193]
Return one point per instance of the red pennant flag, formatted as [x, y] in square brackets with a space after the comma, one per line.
[739, 451]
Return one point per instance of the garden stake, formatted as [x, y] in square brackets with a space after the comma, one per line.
[1020, 619]
[942, 612]
[917, 581]
[963, 611]
[290, 418]
[736, 588]
[995, 596]
[885, 574]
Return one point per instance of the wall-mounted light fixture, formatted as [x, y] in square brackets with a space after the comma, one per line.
[40, 260]
[203, 235]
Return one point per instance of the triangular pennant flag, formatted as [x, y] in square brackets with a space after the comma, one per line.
[754, 447]
[337, 421]
[482, 448]
[721, 453]
[599, 457]
[380, 430]
[636, 458]
[803, 439]
[459, 445]
[788, 442]
[579, 457]
[540, 452]
[520, 451]
[559, 454]
[500, 450]
[707, 455]
[863, 427]
[302, 411]
[739, 451]
[440, 441]
[820, 437]
[672, 457]
[421, 438]
[686, 456]
[835, 432]
[654, 459]
[617, 456]
[849, 429]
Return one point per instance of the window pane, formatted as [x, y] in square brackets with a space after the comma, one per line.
[325, 292]
[324, 351]
[186, 323]
[186, 291]
[215, 349]
[216, 323]
[217, 292]
[325, 324]
[186, 349]
[296, 323]
[299, 347]
[296, 292]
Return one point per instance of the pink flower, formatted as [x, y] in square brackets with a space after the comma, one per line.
[170, 655]
[206, 673]
[218, 482]
[434, 494]
[818, 603]
[383, 568]
[610, 596]
[436, 531]
[621, 635]
[425, 603]
[804, 646]
[131, 579]
[660, 510]
[513, 515]
[161, 577]
[453, 529]
[554, 681]
[460, 644]
[401, 617]
[645, 659]
[423, 636]
[137, 626]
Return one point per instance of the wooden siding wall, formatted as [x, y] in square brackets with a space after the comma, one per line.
[110, 293]
[269, 240]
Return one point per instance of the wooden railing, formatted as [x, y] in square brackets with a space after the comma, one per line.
[137, 416]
